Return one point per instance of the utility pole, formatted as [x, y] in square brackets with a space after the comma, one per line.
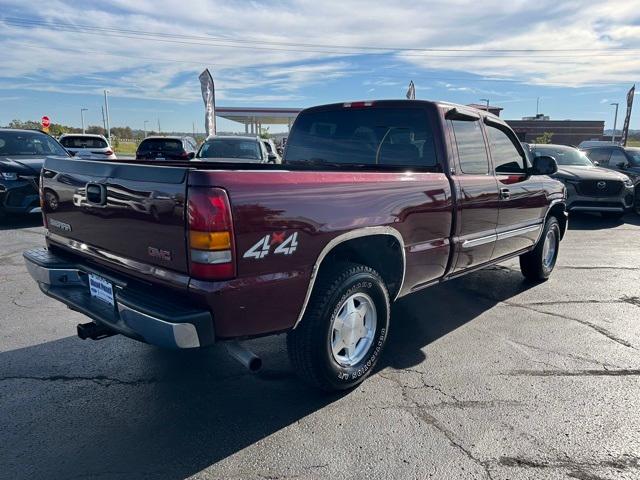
[158, 125]
[537, 106]
[145, 128]
[82, 110]
[487, 102]
[106, 109]
[104, 123]
[615, 123]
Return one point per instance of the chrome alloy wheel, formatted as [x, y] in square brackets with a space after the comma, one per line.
[352, 329]
[549, 248]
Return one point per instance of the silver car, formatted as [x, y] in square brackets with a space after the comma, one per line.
[589, 188]
[87, 146]
[234, 149]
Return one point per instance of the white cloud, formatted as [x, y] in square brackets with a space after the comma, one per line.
[50, 60]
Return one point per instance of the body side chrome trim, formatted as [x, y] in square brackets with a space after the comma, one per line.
[358, 233]
[476, 242]
[519, 231]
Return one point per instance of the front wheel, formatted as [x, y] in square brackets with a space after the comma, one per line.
[538, 264]
[341, 336]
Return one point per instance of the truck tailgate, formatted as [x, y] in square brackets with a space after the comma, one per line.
[134, 211]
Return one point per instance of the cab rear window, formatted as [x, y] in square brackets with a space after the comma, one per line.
[400, 137]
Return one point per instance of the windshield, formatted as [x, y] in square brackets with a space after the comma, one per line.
[83, 142]
[28, 144]
[564, 156]
[230, 148]
[634, 154]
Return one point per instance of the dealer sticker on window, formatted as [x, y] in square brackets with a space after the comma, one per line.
[101, 289]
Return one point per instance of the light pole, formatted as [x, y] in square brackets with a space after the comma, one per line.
[615, 123]
[106, 109]
[487, 102]
[82, 110]
[145, 128]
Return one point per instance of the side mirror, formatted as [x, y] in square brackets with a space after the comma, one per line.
[272, 158]
[544, 165]
[622, 165]
[596, 163]
[192, 155]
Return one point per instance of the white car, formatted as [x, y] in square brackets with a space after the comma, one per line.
[270, 145]
[87, 146]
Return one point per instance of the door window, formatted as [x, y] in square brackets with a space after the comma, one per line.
[600, 155]
[472, 151]
[506, 157]
[617, 157]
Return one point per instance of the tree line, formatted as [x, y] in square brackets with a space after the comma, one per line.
[57, 129]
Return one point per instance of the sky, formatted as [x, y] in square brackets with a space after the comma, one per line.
[56, 57]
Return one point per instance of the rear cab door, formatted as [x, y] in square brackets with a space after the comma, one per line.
[476, 191]
[523, 201]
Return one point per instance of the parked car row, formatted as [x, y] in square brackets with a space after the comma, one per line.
[600, 177]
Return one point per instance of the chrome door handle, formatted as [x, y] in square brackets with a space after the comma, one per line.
[505, 193]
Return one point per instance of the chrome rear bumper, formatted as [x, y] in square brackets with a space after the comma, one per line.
[155, 318]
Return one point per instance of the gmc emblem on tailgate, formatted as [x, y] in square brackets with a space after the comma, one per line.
[159, 253]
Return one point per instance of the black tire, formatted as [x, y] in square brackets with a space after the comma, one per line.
[532, 264]
[309, 344]
[636, 206]
[612, 215]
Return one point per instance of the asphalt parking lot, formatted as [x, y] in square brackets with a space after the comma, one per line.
[484, 377]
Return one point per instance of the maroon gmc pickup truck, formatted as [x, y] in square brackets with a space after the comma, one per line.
[373, 201]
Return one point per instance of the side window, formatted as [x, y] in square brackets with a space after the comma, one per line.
[617, 157]
[506, 157]
[472, 151]
[600, 155]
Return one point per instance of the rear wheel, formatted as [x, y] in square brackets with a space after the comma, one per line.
[612, 215]
[538, 264]
[344, 328]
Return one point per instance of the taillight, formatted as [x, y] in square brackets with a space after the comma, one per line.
[211, 247]
[109, 152]
[185, 155]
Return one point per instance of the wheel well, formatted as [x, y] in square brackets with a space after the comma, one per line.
[383, 253]
[558, 211]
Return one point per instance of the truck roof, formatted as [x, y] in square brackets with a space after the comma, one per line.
[402, 103]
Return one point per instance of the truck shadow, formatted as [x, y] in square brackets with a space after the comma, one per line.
[119, 409]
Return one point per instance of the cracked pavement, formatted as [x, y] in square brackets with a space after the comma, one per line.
[484, 377]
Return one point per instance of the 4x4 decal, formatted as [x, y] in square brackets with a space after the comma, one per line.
[262, 248]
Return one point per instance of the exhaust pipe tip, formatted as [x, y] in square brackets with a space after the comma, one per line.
[246, 357]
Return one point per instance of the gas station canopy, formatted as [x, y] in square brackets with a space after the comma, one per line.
[254, 118]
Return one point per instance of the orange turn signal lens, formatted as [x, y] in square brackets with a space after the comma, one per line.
[210, 240]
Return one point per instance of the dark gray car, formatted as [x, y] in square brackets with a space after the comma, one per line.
[625, 160]
[589, 187]
[22, 153]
